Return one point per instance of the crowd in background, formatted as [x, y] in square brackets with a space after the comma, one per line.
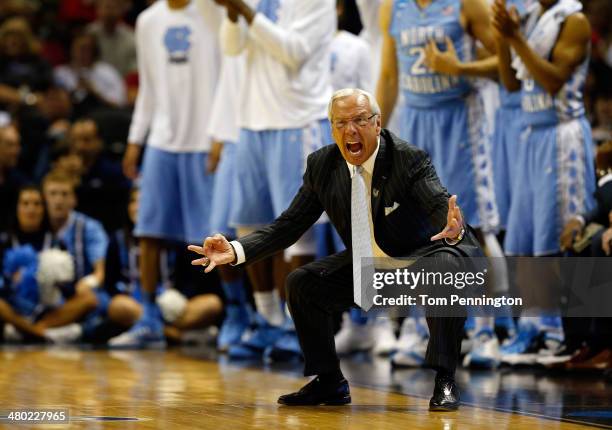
[68, 84]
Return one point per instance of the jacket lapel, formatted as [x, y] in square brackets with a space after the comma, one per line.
[341, 183]
[382, 167]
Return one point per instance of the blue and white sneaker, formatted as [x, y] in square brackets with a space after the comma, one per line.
[234, 325]
[285, 349]
[522, 348]
[412, 344]
[148, 332]
[485, 351]
[353, 337]
[254, 342]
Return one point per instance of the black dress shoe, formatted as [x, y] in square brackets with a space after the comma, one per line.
[317, 392]
[445, 396]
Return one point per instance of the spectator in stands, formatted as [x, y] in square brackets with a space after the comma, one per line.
[34, 274]
[103, 189]
[26, 90]
[85, 239]
[10, 177]
[115, 38]
[23, 73]
[91, 83]
[30, 227]
[66, 162]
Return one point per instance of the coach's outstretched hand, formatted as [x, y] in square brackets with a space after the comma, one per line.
[454, 222]
[217, 251]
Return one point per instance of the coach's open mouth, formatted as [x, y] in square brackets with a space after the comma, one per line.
[354, 148]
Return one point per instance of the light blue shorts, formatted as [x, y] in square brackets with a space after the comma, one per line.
[456, 140]
[556, 182]
[506, 169]
[222, 192]
[175, 196]
[270, 165]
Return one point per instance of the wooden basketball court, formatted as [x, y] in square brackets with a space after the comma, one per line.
[171, 390]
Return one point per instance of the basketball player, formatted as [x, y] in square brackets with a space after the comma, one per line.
[428, 53]
[556, 150]
[282, 119]
[178, 65]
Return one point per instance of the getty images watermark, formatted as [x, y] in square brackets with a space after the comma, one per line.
[406, 278]
[513, 286]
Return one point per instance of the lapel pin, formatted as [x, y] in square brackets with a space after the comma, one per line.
[375, 192]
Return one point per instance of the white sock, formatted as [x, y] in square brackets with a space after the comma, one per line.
[269, 306]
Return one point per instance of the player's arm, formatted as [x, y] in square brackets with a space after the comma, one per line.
[507, 74]
[96, 247]
[477, 22]
[568, 53]
[388, 81]
[234, 33]
[448, 63]
[143, 110]
[312, 28]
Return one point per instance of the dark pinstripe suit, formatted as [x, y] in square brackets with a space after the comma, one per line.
[402, 174]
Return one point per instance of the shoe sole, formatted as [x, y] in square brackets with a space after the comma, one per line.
[443, 408]
[340, 402]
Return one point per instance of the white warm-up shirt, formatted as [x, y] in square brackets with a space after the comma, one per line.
[223, 124]
[288, 56]
[178, 66]
[369, 12]
[351, 63]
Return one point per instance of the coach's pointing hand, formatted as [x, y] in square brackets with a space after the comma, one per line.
[216, 251]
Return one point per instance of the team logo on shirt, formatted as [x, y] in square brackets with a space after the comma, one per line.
[176, 41]
[269, 8]
[448, 10]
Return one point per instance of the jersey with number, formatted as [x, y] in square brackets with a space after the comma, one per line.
[413, 27]
[542, 108]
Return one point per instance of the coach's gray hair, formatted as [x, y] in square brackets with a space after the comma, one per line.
[347, 92]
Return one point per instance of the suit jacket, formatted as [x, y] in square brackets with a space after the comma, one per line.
[403, 175]
[603, 205]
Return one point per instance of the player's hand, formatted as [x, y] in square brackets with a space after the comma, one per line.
[454, 222]
[571, 232]
[130, 161]
[606, 241]
[446, 62]
[214, 156]
[506, 21]
[235, 8]
[216, 251]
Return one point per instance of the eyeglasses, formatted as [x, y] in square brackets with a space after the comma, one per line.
[360, 121]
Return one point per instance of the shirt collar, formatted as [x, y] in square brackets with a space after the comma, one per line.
[368, 165]
[62, 231]
[604, 180]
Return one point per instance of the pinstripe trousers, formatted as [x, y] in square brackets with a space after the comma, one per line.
[315, 295]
